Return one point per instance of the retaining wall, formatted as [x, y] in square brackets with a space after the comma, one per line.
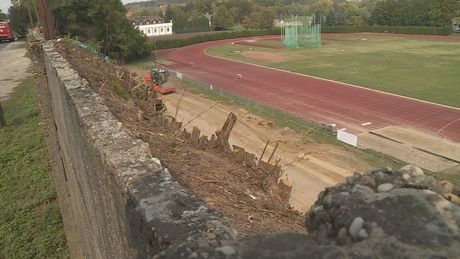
[117, 200]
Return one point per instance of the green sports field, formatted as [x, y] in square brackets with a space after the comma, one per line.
[419, 68]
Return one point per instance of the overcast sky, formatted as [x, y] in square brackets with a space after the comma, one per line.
[5, 4]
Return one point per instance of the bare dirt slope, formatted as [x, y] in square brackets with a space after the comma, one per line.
[310, 166]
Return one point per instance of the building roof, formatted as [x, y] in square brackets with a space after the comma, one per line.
[143, 19]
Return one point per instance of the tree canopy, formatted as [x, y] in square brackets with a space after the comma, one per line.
[103, 24]
[222, 19]
[2, 15]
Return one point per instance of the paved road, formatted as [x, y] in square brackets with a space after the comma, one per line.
[13, 66]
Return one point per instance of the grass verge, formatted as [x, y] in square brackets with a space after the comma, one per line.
[30, 219]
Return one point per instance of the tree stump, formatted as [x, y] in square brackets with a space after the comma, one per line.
[2, 118]
[224, 134]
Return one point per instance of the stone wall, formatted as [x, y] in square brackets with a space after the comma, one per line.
[119, 202]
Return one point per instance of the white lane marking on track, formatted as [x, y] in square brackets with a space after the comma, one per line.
[367, 123]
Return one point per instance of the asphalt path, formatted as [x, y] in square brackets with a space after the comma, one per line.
[13, 66]
[354, 108]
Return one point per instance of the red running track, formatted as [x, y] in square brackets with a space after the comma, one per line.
[354, 108]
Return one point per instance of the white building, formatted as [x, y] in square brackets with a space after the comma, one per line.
[152, 25]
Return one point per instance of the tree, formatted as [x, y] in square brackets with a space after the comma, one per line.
[2, 15]
[222, 20]
[267, 3]
[179, 17]
[354, 14]
[246, 23]
[415, 12]
[146, 11]
[101, 23]
[330, 18]
[239, 9]
[19, 19]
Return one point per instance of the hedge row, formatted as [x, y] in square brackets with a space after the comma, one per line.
[181, 42]
[389, 29]
[185, 41]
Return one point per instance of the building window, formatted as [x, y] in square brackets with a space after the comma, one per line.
[148, 31]
[161, 29]
[155, 30]
[167, 29]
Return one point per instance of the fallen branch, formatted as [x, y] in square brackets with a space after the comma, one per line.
[102, 86]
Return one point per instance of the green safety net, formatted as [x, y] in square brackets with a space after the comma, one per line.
[300, 31]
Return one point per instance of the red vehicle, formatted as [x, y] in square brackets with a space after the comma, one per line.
[158, 78]
[5, 31]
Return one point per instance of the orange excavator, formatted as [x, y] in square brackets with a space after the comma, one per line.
[158, 79]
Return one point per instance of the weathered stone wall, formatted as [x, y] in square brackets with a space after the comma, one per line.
[120, 202]
[117, 199]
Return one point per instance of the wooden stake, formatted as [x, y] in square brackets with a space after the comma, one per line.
[2, 118]
[263, 152]
[274, 150]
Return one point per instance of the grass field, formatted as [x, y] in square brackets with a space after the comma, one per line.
[30, 219]
[419, 68]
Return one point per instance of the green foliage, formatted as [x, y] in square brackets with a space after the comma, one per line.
[355, 15]
[120, 91]
[146, 11]
[19, 19]
[30, 220]
[239, 9]
[437, 13]
[222, 20]
[177, 43]
[103, 23]
[186, 22]
[2, 15]
[389, 29]
[260, 20]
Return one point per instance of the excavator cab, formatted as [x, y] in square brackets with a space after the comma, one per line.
[158, 78]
